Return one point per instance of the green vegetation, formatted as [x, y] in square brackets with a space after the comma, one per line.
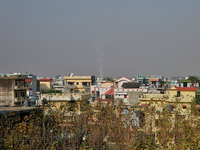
[185, 80]
[198, 99]
[44, 91]
[108, 128]
[38, 85]
[194, 79]
[109, 79]
[162, 82]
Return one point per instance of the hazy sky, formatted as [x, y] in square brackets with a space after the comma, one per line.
[115, 37]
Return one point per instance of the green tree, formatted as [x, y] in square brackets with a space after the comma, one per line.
[109, 79]
[38, 85]
[197, 99]
[194, 79]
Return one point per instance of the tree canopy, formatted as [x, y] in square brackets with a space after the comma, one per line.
[194, 79]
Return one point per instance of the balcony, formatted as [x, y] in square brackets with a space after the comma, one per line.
[21, 87]
[19, 99]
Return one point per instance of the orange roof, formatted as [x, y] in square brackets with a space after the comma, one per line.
[47, 79]
[110, 92]
[144, 104]
[185, 89]
[153, 79]
[28, 80]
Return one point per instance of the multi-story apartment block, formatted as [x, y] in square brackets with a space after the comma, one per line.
[13, 89]
[79, 84]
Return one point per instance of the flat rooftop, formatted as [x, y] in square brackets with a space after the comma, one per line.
[6, 110]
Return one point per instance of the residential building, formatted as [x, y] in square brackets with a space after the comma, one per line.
[59, 84]
[152, 80]
[119, 82]
[13, 89]
[187, 83]
[123, 93]
[81, 84]
[32, 82]
[178, 99]
[45, 84]
[100, 92]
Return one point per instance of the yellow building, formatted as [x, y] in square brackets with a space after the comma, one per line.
[180, 99]
[45, 84]
[13, 89]
[81, 83]
[154, 100]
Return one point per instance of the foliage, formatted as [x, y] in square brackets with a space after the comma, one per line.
[194, 79]
[185, 80]
[162, 82]
[109, 79]
[198, 99]
[45, 91]
[38, 85]
[97, 128]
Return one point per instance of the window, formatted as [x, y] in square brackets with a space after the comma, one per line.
[178, 93]
[125, 96]
[22, 94]
[84, 83]
[184, 84]
[77, 83]
[70, 83]
[16, 94]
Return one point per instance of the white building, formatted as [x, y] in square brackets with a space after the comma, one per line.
[119, 82]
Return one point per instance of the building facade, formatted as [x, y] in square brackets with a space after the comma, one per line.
[13, 89]
[79, 84]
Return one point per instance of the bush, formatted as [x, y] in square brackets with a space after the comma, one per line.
[107, 128]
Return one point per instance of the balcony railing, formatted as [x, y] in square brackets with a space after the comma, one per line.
[21, 86]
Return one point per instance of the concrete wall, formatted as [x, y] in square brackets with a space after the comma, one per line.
[34, 86]
[6, 92]
[58, 99]
[45, 85]
[133, 98]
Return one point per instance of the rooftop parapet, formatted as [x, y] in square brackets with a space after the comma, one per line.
[153, 97]
[12, 76]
